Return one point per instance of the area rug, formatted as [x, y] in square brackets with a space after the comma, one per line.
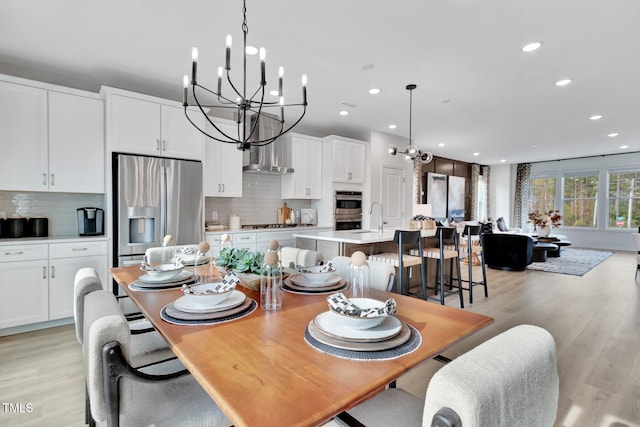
[571, 261]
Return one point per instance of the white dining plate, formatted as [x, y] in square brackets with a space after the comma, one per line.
[189, 259]
[301, 280]
[184, 275]
[331, 325]
[189, 306]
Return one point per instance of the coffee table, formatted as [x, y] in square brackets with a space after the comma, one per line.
[560, 242]
[541, 249]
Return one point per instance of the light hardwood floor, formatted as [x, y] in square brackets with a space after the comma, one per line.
[594, 320]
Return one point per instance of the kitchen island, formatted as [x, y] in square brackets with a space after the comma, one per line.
[346, 242]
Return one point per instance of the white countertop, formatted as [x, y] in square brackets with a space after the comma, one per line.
[358, 236]
[299, 228]
[50, 239]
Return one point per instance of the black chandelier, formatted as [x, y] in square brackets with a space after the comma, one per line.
[249, 109]
[411, 153]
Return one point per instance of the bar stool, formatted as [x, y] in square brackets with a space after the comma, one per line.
[403, 261]
[447, 249]
[470, 249]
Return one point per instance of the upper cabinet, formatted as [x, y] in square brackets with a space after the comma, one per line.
[222, 163]
[348, 160]
[52, 138]
[141, 124]
[304, 154]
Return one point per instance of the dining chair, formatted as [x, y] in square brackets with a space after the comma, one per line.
[382, 275]
[470, 248]
[636, 245]
[122, 394]
[292, 257]
[447, 250]
[509, 380]
[403, 260]
[154, 255]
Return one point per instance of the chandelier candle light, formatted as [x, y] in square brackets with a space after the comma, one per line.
[411, 153]
[239, 100]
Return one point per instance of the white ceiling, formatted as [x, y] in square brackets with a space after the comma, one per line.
[477, 91]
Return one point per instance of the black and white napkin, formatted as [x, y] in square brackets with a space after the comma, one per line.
[229, 282]
[341, 304]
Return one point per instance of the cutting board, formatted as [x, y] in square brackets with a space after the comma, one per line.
[284, 213]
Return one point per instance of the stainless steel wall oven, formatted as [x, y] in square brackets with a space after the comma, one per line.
[348, 210]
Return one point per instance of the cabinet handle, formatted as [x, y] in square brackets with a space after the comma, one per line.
[14, 253]
[349, 175]
[164, 145]
[158, 144]
[223, 187]
[44, 271]
[53, 271]
[79, 249]
[44, 179]
[218, 188]
[52, 180]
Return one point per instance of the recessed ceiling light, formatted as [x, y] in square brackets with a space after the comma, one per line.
[531, 47]
[393, 126]
[624, 146]
[274, 93]
[596, 117]
[374, 91]
[563, 82]
[344, 112]
[612, 135]
[441, 144]
[503, 160]
[476, 154]
[251, 50]
[367, 67]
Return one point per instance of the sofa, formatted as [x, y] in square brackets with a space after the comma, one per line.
[505, 251]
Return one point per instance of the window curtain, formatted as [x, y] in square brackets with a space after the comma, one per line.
[475, 178]
[417, 181]
[521, 202]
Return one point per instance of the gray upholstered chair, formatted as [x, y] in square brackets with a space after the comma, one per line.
[154, 255]
[509, 380]
[382, 275]
[121, 394]
[292, 257]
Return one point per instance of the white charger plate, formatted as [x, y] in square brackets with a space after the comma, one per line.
[190, 259]
[330, 324]
[301, 280]
[189, 306]
[183, 275]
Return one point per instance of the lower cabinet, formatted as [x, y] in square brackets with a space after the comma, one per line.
[36, 281]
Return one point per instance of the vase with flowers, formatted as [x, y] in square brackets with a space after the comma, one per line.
[545, 221]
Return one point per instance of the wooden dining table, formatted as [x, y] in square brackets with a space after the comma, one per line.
[260, 370]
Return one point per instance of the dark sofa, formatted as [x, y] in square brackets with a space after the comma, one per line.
[503, 251]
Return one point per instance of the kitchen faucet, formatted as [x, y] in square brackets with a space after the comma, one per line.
[380, 225]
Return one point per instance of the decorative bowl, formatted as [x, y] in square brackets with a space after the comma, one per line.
[357, 322]
[164, 271]
[206, 293]
[316, 275]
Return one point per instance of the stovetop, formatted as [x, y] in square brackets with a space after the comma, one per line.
[261, 226]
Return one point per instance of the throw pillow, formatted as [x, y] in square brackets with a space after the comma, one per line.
[486, 227]
[502, 226]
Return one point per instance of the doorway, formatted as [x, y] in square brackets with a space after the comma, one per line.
[393, 195]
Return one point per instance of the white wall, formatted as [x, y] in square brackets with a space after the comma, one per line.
[501, 191]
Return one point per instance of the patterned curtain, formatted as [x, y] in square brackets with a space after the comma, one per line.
[521, 202]
[475, 177]
[417, 181]
[485, 171]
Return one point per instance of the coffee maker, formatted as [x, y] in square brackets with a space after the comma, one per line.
[90, 221]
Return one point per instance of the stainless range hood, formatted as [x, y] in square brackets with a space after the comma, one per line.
[268, 159]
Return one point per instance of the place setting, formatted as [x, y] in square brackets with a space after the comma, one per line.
[361, 328]
[206, 303]
[320, 279]
[192, 256]
[162, 276]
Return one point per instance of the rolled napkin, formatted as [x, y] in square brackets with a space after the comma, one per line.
[229, 282]
[341, 304]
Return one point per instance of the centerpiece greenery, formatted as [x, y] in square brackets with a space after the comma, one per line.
[240, 260]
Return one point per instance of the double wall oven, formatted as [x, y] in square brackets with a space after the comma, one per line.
[348, 210]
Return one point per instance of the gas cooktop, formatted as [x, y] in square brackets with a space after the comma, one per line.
[260, 226]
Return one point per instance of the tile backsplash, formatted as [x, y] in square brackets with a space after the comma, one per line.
[261, 198]
[60, 208]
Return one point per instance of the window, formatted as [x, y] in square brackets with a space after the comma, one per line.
[623, 199]
[580, 193]
[542, 193]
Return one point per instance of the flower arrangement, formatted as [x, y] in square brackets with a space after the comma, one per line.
[546, 219]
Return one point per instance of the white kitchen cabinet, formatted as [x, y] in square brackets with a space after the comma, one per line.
[52, 140]
[284, 238]
[139, 124]
[23, 132]
[244, 240]
[24, 286]
[222, 163]
[348, 160]
[65, 259]
[76, 143]
[304, 154]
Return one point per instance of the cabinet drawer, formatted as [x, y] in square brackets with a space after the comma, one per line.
[275, 235]
[23, 253]
[68, 250]
[243, 238]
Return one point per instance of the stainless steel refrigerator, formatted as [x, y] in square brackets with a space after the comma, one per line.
[154, 197]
